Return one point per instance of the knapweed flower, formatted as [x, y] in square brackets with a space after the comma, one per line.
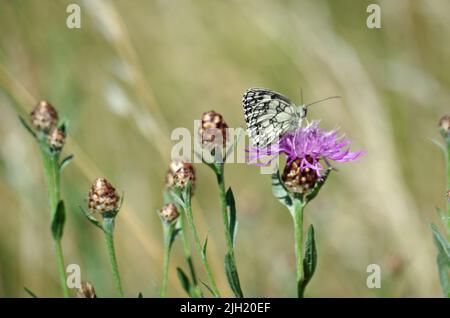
[56, 139]
[86, 291]
[103, 197]
[180, 173]
[44, 116]
[308, 146]
[213, 131]
[169, 213]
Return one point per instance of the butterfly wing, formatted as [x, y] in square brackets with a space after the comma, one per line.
[268, 115]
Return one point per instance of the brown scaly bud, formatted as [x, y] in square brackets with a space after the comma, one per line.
[298, 180]
[103, 197]
[86, 291]
[169, 213]
[179, 174]
[56, 139]
[213, 131]
[444, 123]
[44, 117]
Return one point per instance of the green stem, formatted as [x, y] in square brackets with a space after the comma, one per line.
[168, 231]
[188, 256]
[225, 219]
[448, 185]
[52, 176]
[188, 209]
[108, 227]
[298, 233]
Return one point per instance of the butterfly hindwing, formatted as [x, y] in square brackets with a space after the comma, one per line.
[268, 115]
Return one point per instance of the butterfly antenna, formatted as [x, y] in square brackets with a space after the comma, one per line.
[322, 100]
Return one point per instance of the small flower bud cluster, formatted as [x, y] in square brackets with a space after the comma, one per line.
[86, 291]
[180, 173]
[169, 213]
[213, 131]
[103, 197]
[44, 116]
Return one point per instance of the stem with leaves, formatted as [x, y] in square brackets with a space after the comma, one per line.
[108, 229]
[168, 230]
[228, 209]
[183, 198]
[306, 257]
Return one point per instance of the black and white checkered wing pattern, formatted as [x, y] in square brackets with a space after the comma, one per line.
[268, 115]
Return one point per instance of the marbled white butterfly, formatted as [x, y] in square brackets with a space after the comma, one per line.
[269, 115]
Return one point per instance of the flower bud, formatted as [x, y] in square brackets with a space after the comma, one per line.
[56, 139]
[169, 213]
[179, 174]
[299, 180]
[213, 131]
[44, 116]
[86, 291]
[444, 123]
[103, 197]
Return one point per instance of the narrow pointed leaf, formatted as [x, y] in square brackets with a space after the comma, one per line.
[27, 127]
[29, 292]
[59, 217]
[232, 276]
[91, 218]
[205, 245]
[65, 162]
[184, 280]
[208, 288]
[231, 207]
[442, 260]
[173, 236]
[310, 258]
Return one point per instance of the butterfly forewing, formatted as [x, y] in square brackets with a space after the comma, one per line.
[268, 115]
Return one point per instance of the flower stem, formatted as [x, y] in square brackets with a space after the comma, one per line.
[188, 255]
[448, 185]
[168, 231]
[298, 233]
[226, 222]
[52, 176]
[108, 227]
[188, 209]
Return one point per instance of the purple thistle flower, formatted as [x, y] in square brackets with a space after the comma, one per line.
[308, 144]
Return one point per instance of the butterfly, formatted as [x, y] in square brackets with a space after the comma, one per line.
[269, 115]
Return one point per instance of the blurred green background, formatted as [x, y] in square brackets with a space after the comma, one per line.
[138, 69]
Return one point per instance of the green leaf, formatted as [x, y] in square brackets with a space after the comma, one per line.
[279, 190]
[59, 217]
[231, 207]
[27, 127]
[318, 186]
[310, 259]
[232, 276]
[65, 162]
[205, 245]
[184, 280]
[140, 295]
[443, 259]
[442, 215]
[29, 292]
[235, 141]
[91, 218]
[208, 288]
[173, 235]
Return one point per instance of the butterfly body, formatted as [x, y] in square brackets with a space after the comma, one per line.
[269, 115]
